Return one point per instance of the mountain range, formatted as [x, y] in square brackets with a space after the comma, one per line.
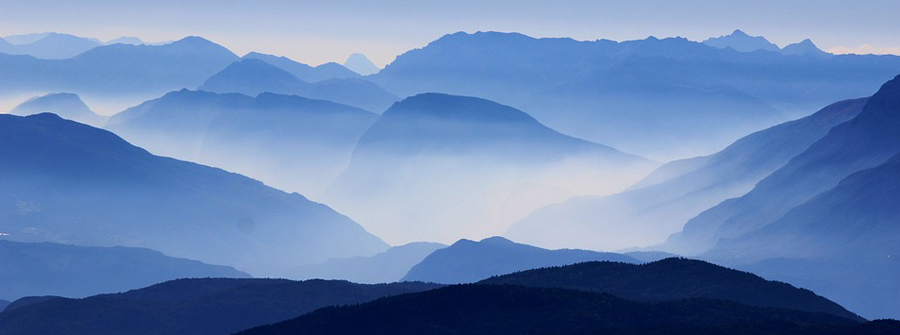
[492, 162]
[66, 105]
[61, 181]
[48, 45]
[38, 269]
[386, 267]
[740, 41]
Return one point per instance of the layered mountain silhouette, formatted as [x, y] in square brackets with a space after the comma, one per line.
[290, 142]
[254, 76]
[505, 309]
[66, 105]
[50, 46]
[661, 98]
[3, 304]
[385, 267]
[361, 64]
[68, 182]
[661, 203]
[38, 269]
[192, 306]
[436, 166]
[804, 48]
[740, 41]
[118, 71]
[673, 279]
[305, 72]
[468, 261]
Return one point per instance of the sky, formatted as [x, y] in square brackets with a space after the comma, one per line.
[316, 32]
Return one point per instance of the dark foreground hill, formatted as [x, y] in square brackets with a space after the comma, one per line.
[502, 309]
[673, 279]
[30, 269]
[192, 306]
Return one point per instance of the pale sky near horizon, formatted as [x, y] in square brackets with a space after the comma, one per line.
[315, 32]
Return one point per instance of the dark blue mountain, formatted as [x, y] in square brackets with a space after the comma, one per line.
[386, 267]
[494, 163]
[119, 70]
[37, 269]
[804, 48]
[672, 279]
[290, 142]
[661, 203]
[67, 182]
[509, 309]
[305, 72]
[51, 46]
[192, 306]
[468, 261]
[620, 88]
[254, 76]
[66, 105]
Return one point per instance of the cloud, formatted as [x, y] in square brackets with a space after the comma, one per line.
[865, 49]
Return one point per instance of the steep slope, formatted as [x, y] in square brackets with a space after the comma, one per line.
[386, 267]
[192, 306]
[673, 279]
[740, 41]
[305, 72]
[52, 46]
[289, 142]
[35, 269]
[67, 182]
[119, 70]
[578, 87]
[66, 105]
[866, 141]
[468, 261]
[361, 64]
[501, 309]
[254, 76]
[661, 203]
[492, 162]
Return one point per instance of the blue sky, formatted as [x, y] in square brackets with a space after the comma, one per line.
[320, 31]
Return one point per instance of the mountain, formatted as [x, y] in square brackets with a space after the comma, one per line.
[290, 142]
[36, 269]
[804, 48]
[492, 162]
[3, 304]
[468, 261]
[740, 41]
[119, 71]
[192, 306]
[660, 204]
[51, 46]
[254, 76]
[359, 63]
[66, 105]
[386, 267]
[305, 72]
[505, 309]
[660, 98]
[25, 38]
[865, 141]
[61, 181]
[126, 40]
[673, 279]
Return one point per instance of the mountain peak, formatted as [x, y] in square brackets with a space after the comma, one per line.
[740, 41]
[738, 32]
[361, 64]
[804, 48]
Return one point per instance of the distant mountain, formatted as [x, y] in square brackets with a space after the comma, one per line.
[66, 105]
[492, 162]
[659, 98]
[35, 269]
[50, 46]
[386, 267]
[740, 41]
[305, 72]
[504, 309]
[866, 141]
[804, 48]
[468, 261]
[661, 203]
[673, 279]
[192, 306]
[118, 71]
[289, 142]
[359, 63]
[254, 76]
[61, 181]
[126, 40]
[25, 38]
